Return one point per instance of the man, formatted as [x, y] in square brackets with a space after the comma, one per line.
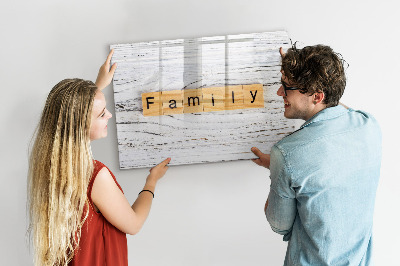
[323, 176]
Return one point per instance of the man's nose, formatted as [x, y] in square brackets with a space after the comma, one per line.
[280, 91]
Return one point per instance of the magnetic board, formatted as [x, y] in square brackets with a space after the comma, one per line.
[198, 100]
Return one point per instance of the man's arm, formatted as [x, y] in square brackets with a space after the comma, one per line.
[280, 213]
[280, 208]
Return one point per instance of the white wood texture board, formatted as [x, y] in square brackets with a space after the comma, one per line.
[193, 64]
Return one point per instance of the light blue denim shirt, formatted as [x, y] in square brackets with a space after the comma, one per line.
[323, 183]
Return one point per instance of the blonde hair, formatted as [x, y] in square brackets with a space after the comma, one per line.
[60, 168]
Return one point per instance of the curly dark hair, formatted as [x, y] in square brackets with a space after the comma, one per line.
[316, 69]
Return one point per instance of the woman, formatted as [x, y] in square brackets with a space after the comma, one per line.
[78, 212]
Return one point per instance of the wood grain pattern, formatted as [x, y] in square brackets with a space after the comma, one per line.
[188, 64]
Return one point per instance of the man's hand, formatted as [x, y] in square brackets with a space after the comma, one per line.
[263, 159]
[105, 73]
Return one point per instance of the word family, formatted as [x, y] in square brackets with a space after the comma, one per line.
[203, 100]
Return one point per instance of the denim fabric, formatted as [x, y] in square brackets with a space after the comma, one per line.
[323, 183]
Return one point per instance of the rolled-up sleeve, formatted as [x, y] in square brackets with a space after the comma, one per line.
[281, 210]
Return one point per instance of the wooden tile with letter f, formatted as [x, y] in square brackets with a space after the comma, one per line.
[151, 102]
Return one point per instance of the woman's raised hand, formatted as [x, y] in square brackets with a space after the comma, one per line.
[106, 73]
[158, 171]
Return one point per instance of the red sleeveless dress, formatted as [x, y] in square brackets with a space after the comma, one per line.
[101, 243]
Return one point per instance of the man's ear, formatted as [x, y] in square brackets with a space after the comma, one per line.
[318, 97]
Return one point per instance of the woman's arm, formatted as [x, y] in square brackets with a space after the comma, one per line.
[105, 75]
[114, 206]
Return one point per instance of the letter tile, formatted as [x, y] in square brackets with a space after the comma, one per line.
[172, 102]
[192, 101]
[234, 97]
[213, 99]
[253, 96]
[151, 102]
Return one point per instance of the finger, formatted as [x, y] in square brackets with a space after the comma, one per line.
[256, 151]
[108, 60]
[281, 52]
[113, 68]
[165, 162]
[257, 161]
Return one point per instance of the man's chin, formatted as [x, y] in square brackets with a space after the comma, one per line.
[287, 115]
[291, 116]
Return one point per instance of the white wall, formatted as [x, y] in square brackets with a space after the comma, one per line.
[209, 214]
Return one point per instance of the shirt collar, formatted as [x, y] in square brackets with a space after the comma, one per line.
[326, 114]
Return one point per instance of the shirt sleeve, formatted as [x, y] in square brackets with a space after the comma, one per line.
[281, 210]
